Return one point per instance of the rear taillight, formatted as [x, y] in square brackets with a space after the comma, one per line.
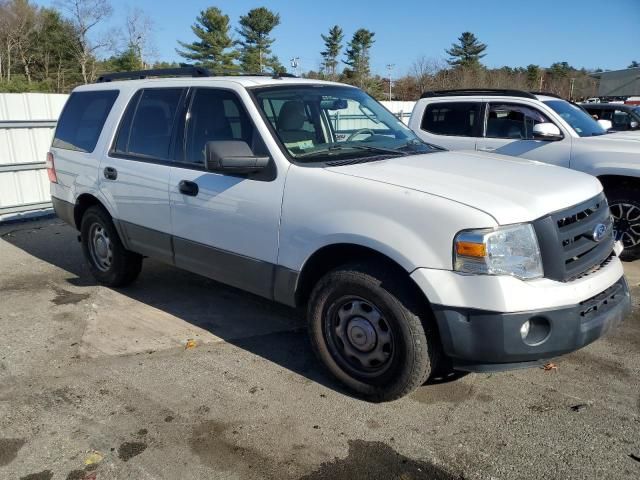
[51, 168]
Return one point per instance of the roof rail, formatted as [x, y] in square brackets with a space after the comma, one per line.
[158, 72]
[183, 72]
[548, 94]
[477, 91]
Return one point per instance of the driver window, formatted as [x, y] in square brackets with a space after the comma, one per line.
[216, 115]
[513, 121]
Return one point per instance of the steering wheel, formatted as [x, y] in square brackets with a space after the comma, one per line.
[360, 132]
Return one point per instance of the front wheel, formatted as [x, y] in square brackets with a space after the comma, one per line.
[624, 203]
[366, 325]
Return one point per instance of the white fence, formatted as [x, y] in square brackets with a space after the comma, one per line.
[27, 121]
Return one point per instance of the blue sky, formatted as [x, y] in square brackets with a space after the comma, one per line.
[589, 33]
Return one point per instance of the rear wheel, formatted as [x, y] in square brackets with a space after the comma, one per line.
[366, 325]
[110, 263]
[624, 203]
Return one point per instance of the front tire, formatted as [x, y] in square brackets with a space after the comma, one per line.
[110, 263]
[366, 325]
[624, 203]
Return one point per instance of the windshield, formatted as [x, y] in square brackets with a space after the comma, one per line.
[577, 118]
[320, 123]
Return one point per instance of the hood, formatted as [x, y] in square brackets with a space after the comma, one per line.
[630, 135]
[510, 189]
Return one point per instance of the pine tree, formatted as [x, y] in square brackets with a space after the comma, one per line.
[333, 45]
[255, 51]
[358, 57]
[466, 53]
[213, 50]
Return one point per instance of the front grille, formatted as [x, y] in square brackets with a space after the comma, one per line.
[568, 242]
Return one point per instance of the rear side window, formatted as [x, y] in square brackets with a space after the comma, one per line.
[452, 118]
[82, 120]
[147, 125]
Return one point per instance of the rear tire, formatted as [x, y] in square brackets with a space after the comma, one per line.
[624, 203]
[372, 331]
[110, 263]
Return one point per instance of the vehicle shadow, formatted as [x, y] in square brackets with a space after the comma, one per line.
[272, 331]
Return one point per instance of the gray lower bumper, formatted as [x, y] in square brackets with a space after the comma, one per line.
[64, 210]
[478, 340]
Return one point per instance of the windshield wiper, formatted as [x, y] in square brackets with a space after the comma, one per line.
[338, 148]
[390, 151]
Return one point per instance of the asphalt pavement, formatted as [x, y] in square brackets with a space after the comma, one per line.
[179, 377]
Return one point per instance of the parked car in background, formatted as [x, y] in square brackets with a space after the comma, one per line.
[622, 117]
[541, 127]
[406, 258]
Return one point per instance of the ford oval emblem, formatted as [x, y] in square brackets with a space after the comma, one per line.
[599, 232]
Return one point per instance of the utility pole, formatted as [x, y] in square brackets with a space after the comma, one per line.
[573, 81]
[390, 68]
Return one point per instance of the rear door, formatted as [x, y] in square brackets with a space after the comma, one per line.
[452, 125]
[135, 172]
[509, 131]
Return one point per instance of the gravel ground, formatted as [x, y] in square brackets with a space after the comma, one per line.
[99, 383]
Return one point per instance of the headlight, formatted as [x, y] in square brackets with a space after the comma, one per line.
[511, 250]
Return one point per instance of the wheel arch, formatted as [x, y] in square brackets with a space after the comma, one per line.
[612, 181]
[334, 255]
[83, 202]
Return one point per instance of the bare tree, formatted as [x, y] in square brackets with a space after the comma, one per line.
[140, 35]
[424, 70]
[86, 15]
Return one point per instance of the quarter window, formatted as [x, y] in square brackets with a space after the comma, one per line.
[147, 125]
[452, 118]
[82, 119]
[513, 121]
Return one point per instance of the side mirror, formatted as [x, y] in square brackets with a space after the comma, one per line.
[606, 124]
[232, 156]
[547, 131]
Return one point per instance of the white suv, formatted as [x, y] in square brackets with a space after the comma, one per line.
[408, 259]
[542, 127]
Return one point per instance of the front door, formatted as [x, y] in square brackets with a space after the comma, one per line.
[225, 226]
[509, 131]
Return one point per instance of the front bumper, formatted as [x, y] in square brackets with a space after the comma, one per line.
[481, 340]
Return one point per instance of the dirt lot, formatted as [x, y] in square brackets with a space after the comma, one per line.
[97, 383]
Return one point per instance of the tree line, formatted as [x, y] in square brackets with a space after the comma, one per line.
[53, 49]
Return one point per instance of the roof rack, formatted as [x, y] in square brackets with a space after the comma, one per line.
[158, 72]
[478, 91]
[183, 72]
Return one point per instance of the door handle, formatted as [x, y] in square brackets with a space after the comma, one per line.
[486, 149]
[110, 173]
[187, 187]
